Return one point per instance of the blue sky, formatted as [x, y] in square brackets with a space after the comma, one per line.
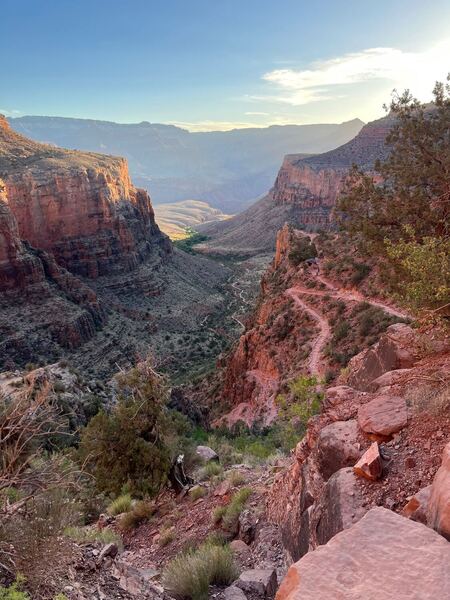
[217, 64]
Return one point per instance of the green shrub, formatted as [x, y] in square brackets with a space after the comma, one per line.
[166, 536]
[120, 505]
[236, 478]
[13, 592]
[212, 468]
[231, 517]
[190, 574]
[90, 535]
[197, 492]
[218, 513]
[132, 445]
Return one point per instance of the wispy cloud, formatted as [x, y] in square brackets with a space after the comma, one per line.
[257, 113]
[213, 125]
[327, 80]
[10, 113]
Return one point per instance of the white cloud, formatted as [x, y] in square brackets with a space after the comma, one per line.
[257, 113]
[213, 125]
[326, 80]
[9, 113]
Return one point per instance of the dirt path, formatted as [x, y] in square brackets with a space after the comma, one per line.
[314, 362]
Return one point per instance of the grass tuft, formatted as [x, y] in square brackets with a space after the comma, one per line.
[120, 505]
[189, 575]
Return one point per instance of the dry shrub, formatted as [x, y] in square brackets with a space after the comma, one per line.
[189, 575]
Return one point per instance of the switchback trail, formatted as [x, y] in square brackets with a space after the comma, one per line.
[314, 362]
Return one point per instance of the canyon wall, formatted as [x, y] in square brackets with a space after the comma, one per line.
[81, 207]
[313, 184]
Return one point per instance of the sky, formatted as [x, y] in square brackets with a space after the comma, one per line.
[208, 65]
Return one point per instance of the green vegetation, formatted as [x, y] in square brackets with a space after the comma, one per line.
[188, 243]
[197, 492]
[166, 536]
[303, 249]
[405, 219]
[230, 516]
[14, 591]
[90, 535]
[120, 505]
[190, 574]
[236, 478]
[132, 445]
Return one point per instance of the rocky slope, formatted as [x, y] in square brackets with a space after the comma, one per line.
[84, 270]
[303, 324]
[227, 169]
[304, 194]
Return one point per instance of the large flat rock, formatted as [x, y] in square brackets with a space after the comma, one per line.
[439, 503]
[383, 415]
[382, 557]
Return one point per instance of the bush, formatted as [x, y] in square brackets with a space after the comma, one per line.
[189, 575]
[132, 445]
[166, 536]
[13, 592]
[231, 517]
[303, 249]
[90, 535]
[212, 468]
[236, 478]
[120, 505]
[219, 513]
[197, 492]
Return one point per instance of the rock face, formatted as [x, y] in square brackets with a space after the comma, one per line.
[439, 502]
[313, 184]
[81, 207]
[384, 415]
[382, 556]
[304, 193]
[85, 272]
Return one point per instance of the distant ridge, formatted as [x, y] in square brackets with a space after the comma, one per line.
[227, 169]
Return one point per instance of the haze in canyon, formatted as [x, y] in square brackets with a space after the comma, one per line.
[224, 300]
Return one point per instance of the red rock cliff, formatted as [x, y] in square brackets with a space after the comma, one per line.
[313, 184]
[79, 206]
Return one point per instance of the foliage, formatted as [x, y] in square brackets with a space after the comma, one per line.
[405, 218]
[197, 492]
[14, 591]
[236, 478]
[219, 513]
[90, 535]
[190, 574]
[188, 243]
[166, 536]
[303, 249]
[425, 267]
[231, 516]
[131, 445]
[120, 505]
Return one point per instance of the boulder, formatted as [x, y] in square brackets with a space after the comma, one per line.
[337, 447]
[234, 593]
[396, 349]
[383, 556]
[439, 504]
[110, 549]
[384, 415]
[240, 548]
[207, 454]
[248, 522]
[370, 465]
[417, 506]
[340, 506]
[262, 582]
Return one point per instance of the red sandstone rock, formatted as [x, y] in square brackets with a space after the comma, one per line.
[338, 446]
[383, 556]
[383, 415]
[396, 349]
[417, 506]
[370, 465]
[79, 206]
[439, 503]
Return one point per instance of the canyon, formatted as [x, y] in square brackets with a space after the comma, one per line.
[304, 193]
[227, 169]
[85, 271]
